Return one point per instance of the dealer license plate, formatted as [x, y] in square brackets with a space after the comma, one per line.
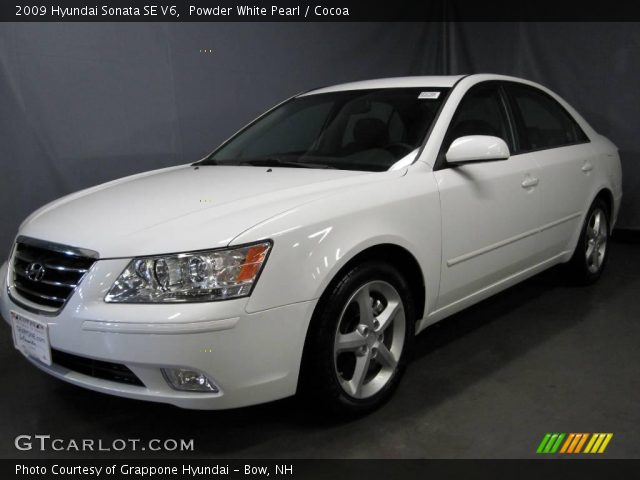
[31, 337]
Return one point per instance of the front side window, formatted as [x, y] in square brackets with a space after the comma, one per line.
[541, 121]
[368, 130]
[481, 112]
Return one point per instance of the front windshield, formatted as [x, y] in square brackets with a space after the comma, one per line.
[369, 130]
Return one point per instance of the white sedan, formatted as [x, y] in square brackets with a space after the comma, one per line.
[305, 253]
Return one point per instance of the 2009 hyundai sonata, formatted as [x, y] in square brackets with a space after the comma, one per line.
[306, 252]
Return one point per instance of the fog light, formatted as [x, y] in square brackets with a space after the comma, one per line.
[189, 380]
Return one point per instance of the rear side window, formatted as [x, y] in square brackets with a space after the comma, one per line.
[541, 121]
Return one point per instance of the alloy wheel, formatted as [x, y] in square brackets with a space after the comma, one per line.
[597, 235]
[369, 339]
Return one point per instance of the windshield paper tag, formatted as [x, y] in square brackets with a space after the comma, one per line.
[428, 95]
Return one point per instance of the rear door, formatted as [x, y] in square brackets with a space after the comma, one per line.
[490, 210]
[564, 156]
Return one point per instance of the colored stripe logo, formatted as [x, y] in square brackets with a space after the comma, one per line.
[573, 443]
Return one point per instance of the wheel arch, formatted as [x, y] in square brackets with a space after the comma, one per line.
[606, 195]
[391, 253]
[396, 256]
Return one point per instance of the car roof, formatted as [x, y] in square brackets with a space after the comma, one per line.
[435, 81]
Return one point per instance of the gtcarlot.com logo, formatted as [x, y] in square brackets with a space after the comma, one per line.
[574, 443]
[45, 443]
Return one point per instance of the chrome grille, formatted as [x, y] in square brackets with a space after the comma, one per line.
[44, 275]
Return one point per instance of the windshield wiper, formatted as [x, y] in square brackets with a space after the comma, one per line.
[206, 161]
[279, 162]
[264, 162]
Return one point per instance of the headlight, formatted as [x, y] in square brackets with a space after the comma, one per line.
[202, 276]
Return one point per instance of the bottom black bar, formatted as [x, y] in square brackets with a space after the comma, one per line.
[320, 469]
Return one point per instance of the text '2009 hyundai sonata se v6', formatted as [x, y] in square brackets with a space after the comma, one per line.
[305, 253]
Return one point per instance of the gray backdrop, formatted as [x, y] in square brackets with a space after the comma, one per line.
[81, 104]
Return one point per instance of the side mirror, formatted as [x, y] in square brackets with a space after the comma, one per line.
[477, 148]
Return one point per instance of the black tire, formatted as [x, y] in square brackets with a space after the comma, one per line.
[322, 380]
[582, 269]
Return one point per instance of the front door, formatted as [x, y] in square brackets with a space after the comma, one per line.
[490, 210]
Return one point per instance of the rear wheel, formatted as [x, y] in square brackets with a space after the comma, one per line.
[358, 341]
[590, 255]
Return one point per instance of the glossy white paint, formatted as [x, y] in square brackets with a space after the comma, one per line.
[473, 230]
[397, 82]
[489, 224]
[149, 214]
[477, 148]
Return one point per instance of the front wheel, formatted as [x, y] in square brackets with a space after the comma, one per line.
[590, 255]
[358, 341]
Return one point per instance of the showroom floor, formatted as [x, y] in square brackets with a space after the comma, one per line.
[488, 382]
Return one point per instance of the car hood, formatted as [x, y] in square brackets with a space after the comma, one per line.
[182, 208]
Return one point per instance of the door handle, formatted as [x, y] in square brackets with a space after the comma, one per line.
[587, 167]
[529, 182]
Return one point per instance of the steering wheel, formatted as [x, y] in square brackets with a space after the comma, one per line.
[399, 149]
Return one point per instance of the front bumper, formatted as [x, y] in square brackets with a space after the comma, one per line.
[253, 357]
